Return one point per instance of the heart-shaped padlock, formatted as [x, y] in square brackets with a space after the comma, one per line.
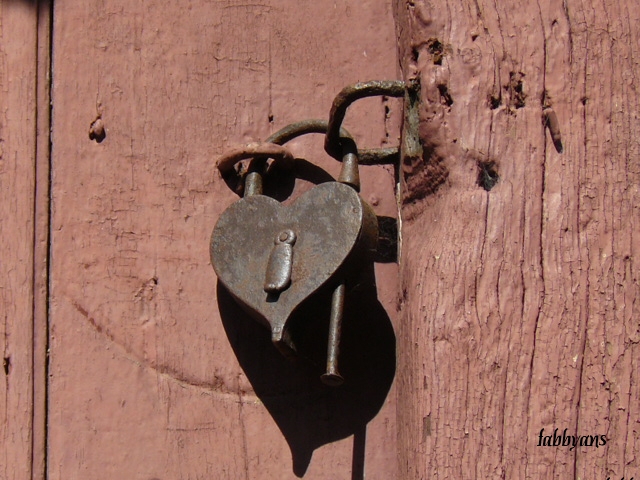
[272, 258]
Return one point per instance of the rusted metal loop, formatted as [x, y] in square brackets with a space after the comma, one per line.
[348, 95]
[279, 153]
[304, 127]
[374, 156]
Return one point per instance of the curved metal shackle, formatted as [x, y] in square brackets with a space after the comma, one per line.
[227, 161]
[348, 150]
[272, 148]
[348, 95]
[304, 127]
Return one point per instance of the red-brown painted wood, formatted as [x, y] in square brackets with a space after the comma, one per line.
[18, 60]
[520, 304]
[144, 382]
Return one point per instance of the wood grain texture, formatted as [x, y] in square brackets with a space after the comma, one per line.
[520, 298]
[18, 25]
[144, 383]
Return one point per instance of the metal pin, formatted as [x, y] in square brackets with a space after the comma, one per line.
[551, 121]
[349, 174]
[332, 377]
[253, 184]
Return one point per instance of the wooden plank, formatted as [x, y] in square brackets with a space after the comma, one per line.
[143, 380]
[520, 300]
[18, 23]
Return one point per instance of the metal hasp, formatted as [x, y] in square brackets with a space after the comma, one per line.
[272, 258]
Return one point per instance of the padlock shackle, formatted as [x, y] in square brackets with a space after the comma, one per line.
[350, 160]
[350, 171]
[273, 147]
[280, 154]
[372, 156]
[297, 129]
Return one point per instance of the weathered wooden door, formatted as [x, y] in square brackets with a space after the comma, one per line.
[142, 379]
[517, 292]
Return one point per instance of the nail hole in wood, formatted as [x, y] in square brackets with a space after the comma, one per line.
[494, 101]
[97, 131]
[445, 96]
[436, 49]
[487, 174]
[415, 55]
[516, 90]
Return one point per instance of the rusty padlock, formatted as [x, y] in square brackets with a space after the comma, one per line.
[272, 258]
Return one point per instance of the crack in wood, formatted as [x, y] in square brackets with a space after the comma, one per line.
[216, 386]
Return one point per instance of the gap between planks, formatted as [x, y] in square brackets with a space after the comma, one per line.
[42, 236]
